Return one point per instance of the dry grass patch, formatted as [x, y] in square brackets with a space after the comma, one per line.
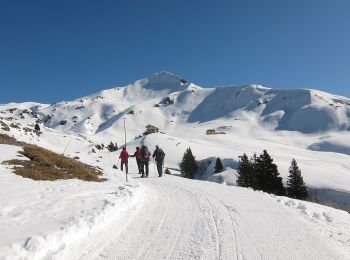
[47, 165]
[4, 126]
[6, 139]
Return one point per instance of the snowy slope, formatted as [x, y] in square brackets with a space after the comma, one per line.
[308, 125]
[303, 110]
[157, 218]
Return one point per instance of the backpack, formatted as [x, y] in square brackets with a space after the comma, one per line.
[138, 155]
[161, 155]
[145, 154]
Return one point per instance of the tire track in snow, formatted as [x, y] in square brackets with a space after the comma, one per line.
[178, 224]
[238, 235]
[220, 235]
[240, 254]
[216, 230]
[235, 229]
[183, 219]
[216, 221]
[146, 246]
[235, 240]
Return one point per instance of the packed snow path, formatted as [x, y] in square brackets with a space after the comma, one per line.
[188, 219]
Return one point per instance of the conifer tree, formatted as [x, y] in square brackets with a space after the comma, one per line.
[246, 176]
[218, 166]
[37, 127]
[112, 147]
[267, 174]
[296, 188]
[188, 165]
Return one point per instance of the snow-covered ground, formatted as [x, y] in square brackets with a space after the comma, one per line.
[40, 218]
[156, 218]
[172, 217]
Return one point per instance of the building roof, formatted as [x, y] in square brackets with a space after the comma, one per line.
[151, 126]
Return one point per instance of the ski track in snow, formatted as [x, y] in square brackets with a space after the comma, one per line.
[161, 218]
[178, 218]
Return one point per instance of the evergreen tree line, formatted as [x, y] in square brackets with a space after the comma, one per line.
[261, 173]
[188, 165]
[258, 172]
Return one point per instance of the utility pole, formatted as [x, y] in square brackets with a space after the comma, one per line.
[70, 137]
[124, 134]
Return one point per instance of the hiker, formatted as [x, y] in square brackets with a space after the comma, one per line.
[137, 156]
[158, 155]
[124, 159]
[145, 155]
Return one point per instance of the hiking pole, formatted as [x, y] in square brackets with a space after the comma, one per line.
[154, 168]
[126, 171]
[124, 133]
[133, 164]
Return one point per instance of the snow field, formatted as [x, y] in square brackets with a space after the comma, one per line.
[39, 219]
[188, 219]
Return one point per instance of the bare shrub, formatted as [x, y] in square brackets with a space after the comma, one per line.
[4, 126]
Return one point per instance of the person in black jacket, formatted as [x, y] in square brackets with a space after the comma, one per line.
[159, 155]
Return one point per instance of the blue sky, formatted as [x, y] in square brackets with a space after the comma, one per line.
[53, 50]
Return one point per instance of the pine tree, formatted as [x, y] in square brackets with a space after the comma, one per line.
[112, 147]
[296, 188]
[267, 174]
[188, 165]
[37, 127]
[246, 176]
[218, 166]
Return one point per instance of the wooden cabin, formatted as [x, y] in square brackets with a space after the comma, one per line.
[213, 132]
[150, 129]
[210, 132]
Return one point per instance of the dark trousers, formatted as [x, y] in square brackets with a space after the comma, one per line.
[139, 166]
[144, 169]
[126, 166]
[160, 168]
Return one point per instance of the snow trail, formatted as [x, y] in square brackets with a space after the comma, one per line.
[188, 219]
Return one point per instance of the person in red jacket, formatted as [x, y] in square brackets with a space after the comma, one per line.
[137, 156]
[124, 156]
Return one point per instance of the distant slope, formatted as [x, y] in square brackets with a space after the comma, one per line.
[302, 110]
[147, 101]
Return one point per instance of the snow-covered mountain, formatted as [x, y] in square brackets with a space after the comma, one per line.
[252, 116]
[303, 110]
[308, 125]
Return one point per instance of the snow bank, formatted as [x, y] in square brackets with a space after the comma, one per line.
[74, 228]
[39, 219]
[329, 221]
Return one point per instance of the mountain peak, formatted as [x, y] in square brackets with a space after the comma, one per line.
[165, 76]
[163, 80]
